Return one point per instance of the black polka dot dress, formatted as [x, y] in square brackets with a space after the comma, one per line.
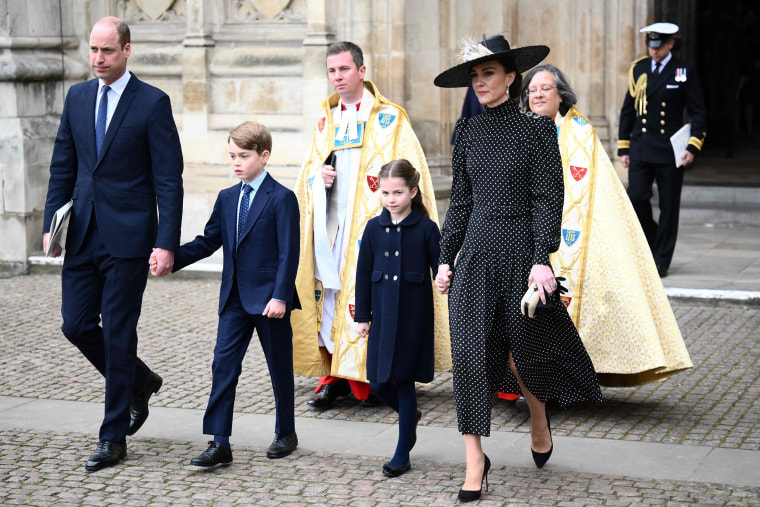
[504, 217]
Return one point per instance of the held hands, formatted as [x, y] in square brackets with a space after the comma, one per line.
[362, 328]
[56, 248]
[329, 174]
[443, 278]
[543, 277]
[275, 309]
[161, 262]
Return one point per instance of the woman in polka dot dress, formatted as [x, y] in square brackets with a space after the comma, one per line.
[502, 224]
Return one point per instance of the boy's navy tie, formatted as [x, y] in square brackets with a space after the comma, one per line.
[100, 123]
[243, 214]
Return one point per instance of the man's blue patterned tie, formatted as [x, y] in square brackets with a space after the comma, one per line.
[100, 123]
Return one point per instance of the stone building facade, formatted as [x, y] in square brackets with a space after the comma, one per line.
[226, 61]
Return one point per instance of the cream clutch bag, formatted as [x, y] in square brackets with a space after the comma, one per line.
[531, 303]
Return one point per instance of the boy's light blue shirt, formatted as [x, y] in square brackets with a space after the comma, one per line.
[255, 184]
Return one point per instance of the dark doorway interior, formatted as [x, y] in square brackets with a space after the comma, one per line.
[723, 40]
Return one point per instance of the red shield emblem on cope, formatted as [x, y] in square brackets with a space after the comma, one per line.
[578, 172]
[352, 310]
[372, 183]
[321, 124]
[566, 300]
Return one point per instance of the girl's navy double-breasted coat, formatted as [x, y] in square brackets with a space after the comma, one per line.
[394, 292]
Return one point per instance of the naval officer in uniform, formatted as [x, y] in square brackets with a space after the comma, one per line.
[660, 87]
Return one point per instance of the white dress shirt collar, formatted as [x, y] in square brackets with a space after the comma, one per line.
[118, 85]
[663, 63]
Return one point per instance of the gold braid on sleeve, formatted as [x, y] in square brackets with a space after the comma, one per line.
[638, 89]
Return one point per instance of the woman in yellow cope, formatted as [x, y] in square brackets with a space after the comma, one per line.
[615, 296]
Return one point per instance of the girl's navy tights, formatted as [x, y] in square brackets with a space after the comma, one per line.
[402, 398]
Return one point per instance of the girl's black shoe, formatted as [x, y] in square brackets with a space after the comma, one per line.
[471, 496]
[390, 471]
[540, 458]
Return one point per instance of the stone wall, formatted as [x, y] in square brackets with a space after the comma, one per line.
[226, 61]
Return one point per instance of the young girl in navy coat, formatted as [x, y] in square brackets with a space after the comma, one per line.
[398, 252]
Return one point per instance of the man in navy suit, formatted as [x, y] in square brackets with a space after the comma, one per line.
[256, 222]
[117, 155]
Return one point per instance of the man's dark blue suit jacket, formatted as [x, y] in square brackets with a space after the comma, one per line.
[140, 166]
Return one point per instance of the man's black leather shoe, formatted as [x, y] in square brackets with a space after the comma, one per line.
[107, 454]
[282, 446]
[139, 410]
[662, 271]
[216, 454]
[329, 393]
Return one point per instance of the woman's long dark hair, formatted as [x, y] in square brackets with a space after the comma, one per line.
[404, 169]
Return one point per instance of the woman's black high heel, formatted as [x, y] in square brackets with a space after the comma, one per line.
[471, 496]
[540, 458]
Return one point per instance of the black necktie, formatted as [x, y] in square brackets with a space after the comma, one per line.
[657, 67]
[243, 213]
[100, 123]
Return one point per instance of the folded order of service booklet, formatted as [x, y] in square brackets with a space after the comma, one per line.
[679, 141]
[57, 225]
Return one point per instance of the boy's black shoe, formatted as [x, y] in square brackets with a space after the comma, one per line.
[282, 446]
[216, 454]
[107, 454]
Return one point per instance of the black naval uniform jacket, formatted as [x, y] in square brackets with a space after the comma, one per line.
[646, 137]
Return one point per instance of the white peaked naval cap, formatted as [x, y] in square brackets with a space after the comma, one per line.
[663, 28]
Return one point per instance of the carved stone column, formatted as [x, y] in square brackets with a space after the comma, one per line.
[34, 44]
[196, 54]
[316, 86]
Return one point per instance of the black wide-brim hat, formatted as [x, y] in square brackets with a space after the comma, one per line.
[494, 48]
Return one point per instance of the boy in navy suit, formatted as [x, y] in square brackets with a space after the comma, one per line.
[256, 223]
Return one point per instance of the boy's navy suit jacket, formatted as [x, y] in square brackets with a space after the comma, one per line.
[265, 261]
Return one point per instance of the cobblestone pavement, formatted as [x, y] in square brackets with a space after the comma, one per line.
[717, 404]
[46, 469]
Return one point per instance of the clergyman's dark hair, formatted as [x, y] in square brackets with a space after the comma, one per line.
[337, 48]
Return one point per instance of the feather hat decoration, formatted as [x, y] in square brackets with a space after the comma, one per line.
[472, 50]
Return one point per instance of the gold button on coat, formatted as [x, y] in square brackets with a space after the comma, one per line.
[644, 130]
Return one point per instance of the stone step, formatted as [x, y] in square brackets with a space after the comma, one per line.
[720, 205]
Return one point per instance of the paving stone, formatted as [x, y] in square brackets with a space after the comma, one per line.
[717, 403]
